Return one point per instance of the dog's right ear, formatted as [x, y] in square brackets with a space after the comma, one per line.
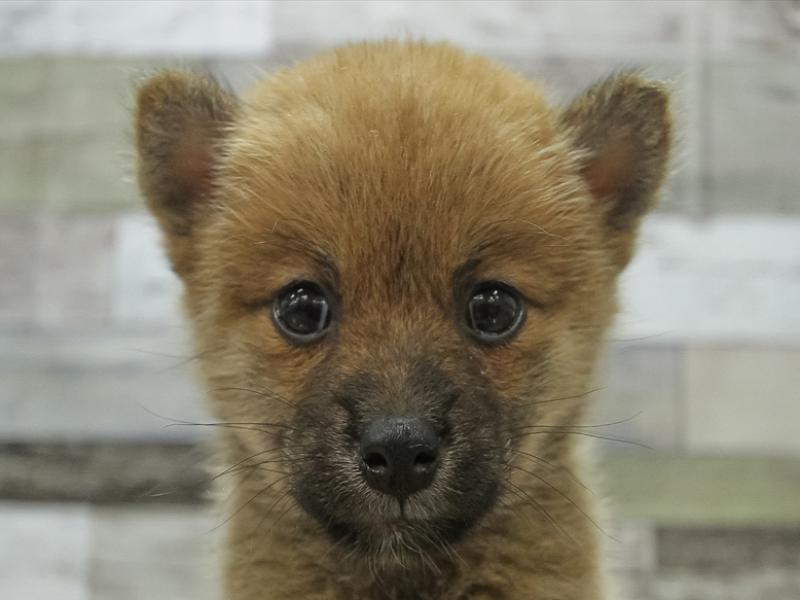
[181, 120]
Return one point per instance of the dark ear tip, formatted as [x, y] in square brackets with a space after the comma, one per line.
[655, 96]
[648, 94]
[166, 88]
[639, 102]
[155, 87]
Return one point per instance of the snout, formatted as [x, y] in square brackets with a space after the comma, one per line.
[399, 455]
[398, 450]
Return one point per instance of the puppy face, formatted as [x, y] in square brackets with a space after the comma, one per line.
[399, 263]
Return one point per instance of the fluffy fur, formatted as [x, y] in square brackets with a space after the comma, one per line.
[398, 175]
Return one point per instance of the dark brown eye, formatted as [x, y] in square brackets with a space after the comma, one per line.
[495, 311]
[301, 312]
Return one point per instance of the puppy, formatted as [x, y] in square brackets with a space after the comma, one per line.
[399, 265]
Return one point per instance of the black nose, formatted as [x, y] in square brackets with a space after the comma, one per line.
[399, 456]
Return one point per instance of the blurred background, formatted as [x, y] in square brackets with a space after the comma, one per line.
[100, 498]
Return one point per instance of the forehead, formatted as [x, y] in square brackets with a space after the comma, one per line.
[401, 170]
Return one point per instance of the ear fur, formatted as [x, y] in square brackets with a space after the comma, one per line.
[622, 129]
[180, 120]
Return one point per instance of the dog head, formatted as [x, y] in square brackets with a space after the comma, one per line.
[398, 260]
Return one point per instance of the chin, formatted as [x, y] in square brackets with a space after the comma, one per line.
[399, 540]
[385, 527]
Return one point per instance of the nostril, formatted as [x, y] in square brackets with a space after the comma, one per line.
[376, 461]
[424, 460]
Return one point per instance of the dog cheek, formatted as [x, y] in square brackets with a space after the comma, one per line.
[478, 440]
[322, 464]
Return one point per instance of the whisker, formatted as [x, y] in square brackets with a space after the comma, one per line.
[554, 467]
[240, 463]
[243, 427]
[244, 460]
[254, 497]
[541, 508]
[567, 498]
[642, 338]
[585, 434]
[269, 394]
[234, 424]
[504, 502]
[593, 426]
[181, 359]
[272, 507]
[448, 549]
[425, 557]
[241, 481]
[243, 467]
[239, 424]
[562, 398]
[332, 546]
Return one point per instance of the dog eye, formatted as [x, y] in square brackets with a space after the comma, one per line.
[301, 312]
[495, 311]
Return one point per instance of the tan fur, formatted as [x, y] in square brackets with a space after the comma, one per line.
[398, 162]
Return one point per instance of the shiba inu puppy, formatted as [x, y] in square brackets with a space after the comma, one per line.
[399, 264]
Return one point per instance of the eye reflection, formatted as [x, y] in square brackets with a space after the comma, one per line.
[494, 311]
[301, 311]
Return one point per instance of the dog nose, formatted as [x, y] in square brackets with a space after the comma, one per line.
[399, 456]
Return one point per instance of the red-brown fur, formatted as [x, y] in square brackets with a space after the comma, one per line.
[398, 162]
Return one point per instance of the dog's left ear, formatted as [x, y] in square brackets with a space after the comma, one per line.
[622, 130]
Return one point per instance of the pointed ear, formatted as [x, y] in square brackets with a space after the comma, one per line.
[622, 130]
[181, 119]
